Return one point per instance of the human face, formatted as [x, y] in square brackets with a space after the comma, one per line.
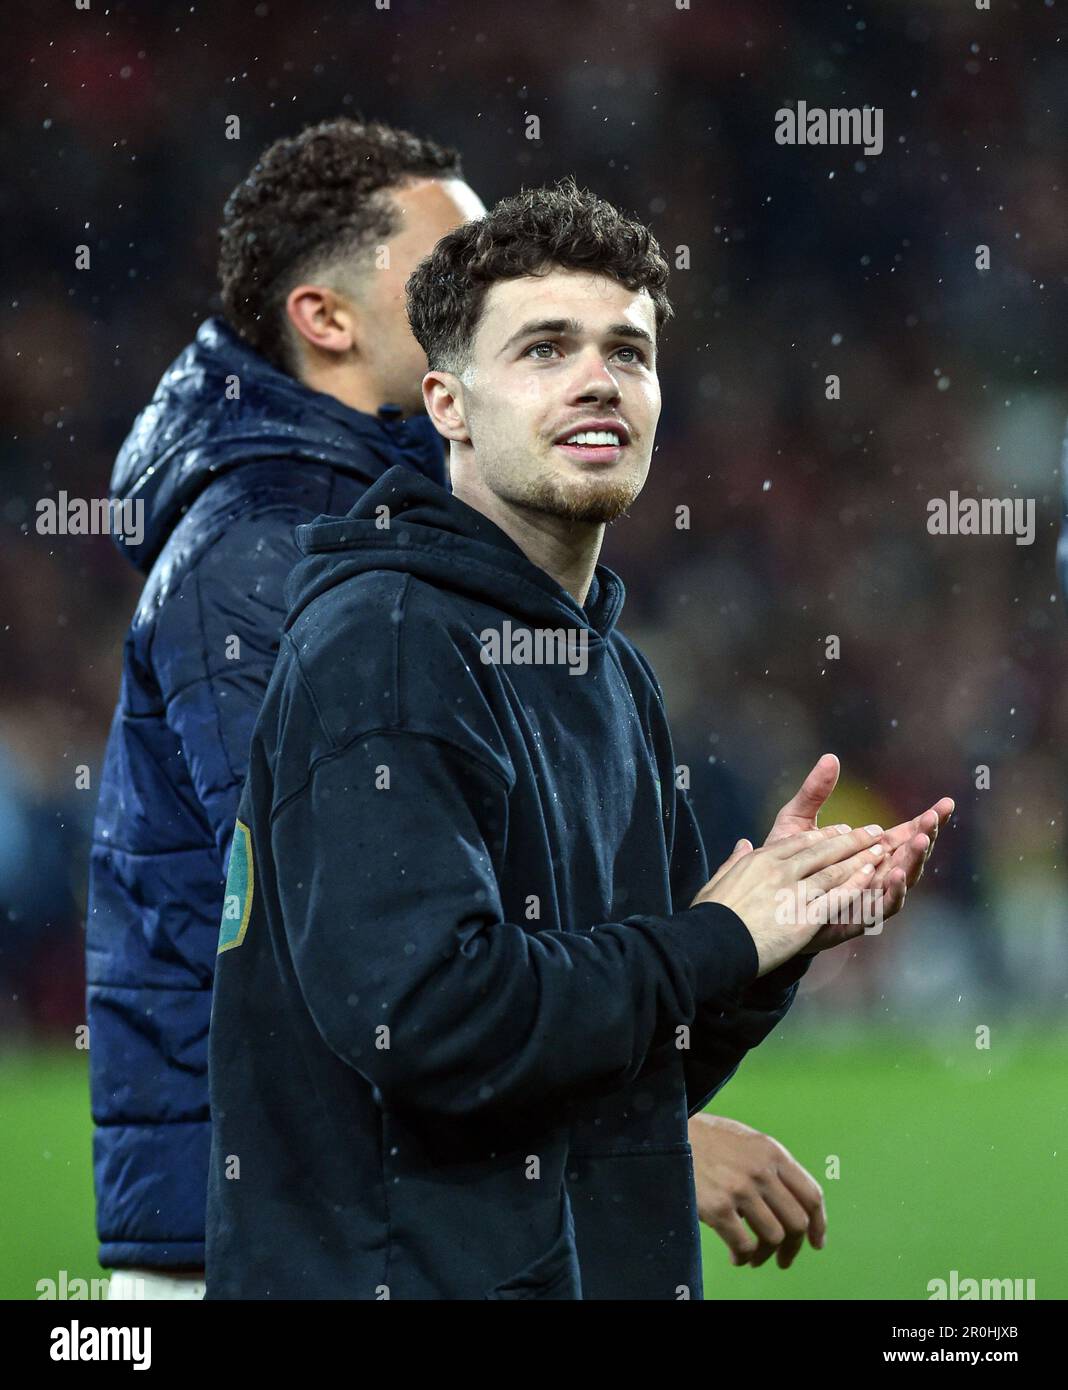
[554, 353]
[426, 210]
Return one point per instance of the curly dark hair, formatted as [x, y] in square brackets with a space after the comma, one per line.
[531, 233]
[308, 208]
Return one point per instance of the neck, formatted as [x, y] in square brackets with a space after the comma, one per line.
[566, 550]
[347, 384]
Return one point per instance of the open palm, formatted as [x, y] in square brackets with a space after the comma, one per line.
[908, 846]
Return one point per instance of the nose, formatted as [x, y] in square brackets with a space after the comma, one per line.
[593, 380]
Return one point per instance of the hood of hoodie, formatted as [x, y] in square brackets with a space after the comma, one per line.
[435, 536]
[191, 431]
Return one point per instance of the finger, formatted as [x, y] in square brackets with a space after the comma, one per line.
[940, 813]
[793, 844]
[761, 1253]
[911, 858]
[809, 859]
[846, 909]
[809, 1193]
[900, 834]
[929, 821]
[741, 849]
[788, 1251]
[860, 865]
[896, 892]
[927, 826]
[763, 1221]
[742, 1245]
[908, 858]
[791, 1216]
[891, 897]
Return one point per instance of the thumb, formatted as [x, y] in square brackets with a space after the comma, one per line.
[803, 808]
[808, 800]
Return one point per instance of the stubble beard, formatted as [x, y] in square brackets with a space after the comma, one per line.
[588, 499]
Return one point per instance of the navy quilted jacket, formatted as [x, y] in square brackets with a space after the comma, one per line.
[228, 458]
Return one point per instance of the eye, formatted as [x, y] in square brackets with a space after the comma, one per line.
[534, 348]
[639, 356]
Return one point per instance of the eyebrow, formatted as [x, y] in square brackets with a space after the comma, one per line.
[574, 329]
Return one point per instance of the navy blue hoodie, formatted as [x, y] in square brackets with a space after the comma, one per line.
[462, 1007]
[229, 457]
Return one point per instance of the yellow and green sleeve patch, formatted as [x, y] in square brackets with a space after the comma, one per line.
[240, 881]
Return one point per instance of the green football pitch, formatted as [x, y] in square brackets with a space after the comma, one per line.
[949, 1158]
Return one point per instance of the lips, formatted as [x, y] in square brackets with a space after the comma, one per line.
[596, 446]
[609, 426]
[592, 453]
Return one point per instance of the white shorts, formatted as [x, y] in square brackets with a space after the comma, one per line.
[151, 1283]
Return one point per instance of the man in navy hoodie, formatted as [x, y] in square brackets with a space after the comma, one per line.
[304, 396]
[473, 977]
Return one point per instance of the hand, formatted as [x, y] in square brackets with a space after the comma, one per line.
[805, 869]
[908, 845]
[741, 1173]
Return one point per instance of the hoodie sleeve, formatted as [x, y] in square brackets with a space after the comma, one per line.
[213, 650]
[385, 870]
[724, 1029]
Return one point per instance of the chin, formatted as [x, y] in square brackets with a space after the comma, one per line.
[595, 501]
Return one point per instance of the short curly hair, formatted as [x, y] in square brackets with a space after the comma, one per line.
[530, 233]
[308, 208]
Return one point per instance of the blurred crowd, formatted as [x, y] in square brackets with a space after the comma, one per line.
[775, 519]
